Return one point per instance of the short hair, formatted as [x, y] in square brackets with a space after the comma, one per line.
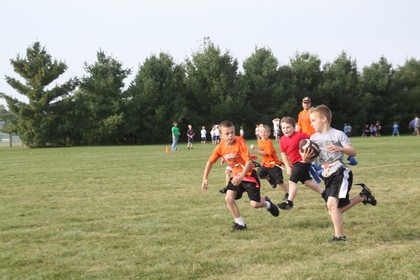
[323, 111]
[266, 127]
[288, 120]
[226, 124]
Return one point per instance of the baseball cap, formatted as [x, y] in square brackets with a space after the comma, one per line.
[306, 99]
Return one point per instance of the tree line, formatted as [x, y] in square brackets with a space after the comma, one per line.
[208, 87]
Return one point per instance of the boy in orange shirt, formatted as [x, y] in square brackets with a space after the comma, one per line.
[235, 153]
[270, 163]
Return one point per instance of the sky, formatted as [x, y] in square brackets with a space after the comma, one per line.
[132, 30]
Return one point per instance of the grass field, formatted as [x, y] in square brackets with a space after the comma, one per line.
[135, 212]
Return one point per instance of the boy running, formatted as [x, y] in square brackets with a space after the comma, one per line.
[235, 153]
[334, 144]
[270, 163]
[296, 168]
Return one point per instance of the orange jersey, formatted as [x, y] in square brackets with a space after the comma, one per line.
[236, 155]
[271, 154]
[305, 123]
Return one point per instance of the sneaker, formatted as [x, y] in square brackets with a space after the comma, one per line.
[367, 194]
[287, 205]
[274, 186]
[338, 239]
[224, 190]
[237, 226]
[273, 208]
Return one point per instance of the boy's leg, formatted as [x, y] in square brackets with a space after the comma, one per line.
[336, 215]
[288, 204]
[313, 186]
[231, 203]
[355, 200]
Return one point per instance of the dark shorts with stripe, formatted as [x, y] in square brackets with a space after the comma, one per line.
[339, 185]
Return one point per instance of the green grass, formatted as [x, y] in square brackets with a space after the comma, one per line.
[136, 212]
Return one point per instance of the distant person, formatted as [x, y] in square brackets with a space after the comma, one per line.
[242, 132]
[347, 129]
[378, 128]
[416, 125]
[296, 168]
[304, 123]
[216, 134]
[257, 131]
[276, 128]
[212, 135]
[175, 136]
[233, 150]
[203, 134]
[338, 178]
[270, 163]
[366, 131]
[395, 129]
[190, 137]
[412, 126]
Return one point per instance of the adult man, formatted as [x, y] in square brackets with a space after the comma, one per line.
[304, 123]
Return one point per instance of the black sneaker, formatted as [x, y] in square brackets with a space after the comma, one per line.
[273, 208]
[237, 226]
[367, 194]
[287, 205]
[224, 190]
[338, 239]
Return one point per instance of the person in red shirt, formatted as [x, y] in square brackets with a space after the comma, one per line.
[296, 168]
[270, 163]
[235, 153]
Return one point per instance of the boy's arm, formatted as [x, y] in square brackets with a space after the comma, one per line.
[346, 149]
[257, 150]
[207, 169]
[287, 163]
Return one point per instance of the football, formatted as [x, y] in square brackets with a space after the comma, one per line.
[308, 144]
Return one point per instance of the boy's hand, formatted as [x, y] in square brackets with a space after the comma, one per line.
[307, 155]
[252, 146]
[204, 185]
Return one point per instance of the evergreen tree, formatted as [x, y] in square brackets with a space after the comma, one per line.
[99, 101]
[38, 120]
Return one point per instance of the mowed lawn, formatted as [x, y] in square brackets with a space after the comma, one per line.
[136, 212]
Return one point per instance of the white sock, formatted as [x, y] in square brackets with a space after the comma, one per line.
[240, 221]
[268, 204]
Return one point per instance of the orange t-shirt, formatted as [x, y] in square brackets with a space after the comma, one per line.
[305, 123]
[235, 155]
[271, 158]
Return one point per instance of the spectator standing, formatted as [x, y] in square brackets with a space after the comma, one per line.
[395, 129]
[304, 123]
[175, 136]
[203, 134]
[276, 128]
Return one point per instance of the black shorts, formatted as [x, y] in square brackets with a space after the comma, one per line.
[300, 172]
[249, 187]
[339, 185]
[276, 176]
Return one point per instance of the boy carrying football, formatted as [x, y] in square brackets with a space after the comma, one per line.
[333, 145]
[296, 168]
